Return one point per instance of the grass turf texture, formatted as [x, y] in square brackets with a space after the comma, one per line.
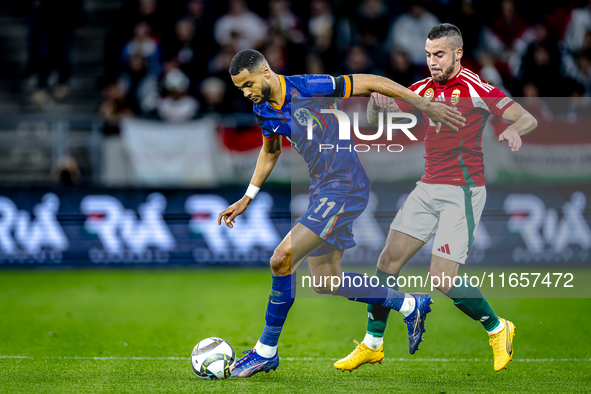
[158, 316]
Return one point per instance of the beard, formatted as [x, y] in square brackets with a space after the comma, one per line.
[265, 92]
[446, 73]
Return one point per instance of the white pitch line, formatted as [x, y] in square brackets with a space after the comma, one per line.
[445, 360]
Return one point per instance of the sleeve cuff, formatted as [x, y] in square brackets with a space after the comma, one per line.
[270, 138]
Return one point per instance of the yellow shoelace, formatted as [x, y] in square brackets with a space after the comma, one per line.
[354, 352]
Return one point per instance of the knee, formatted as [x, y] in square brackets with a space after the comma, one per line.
[324, 290]
[281, 262]
[324, 281]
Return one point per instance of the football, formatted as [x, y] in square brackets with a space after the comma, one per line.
[213, 358]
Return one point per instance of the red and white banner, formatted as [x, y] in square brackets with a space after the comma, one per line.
[558, 150]
[164, 154]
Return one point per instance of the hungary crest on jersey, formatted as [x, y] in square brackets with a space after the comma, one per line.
[455, 97]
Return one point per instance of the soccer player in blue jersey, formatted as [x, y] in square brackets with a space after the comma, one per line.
[339, 192]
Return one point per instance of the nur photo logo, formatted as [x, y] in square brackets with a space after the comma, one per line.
[312, 118]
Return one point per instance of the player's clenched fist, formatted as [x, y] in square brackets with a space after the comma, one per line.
[382, 100]
[229, 215]
[513, 138]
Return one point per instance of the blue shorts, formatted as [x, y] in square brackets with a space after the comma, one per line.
[330, 215]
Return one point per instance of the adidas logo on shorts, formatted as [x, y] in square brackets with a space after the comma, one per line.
[444, 249]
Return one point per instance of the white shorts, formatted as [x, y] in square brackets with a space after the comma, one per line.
[451, 213]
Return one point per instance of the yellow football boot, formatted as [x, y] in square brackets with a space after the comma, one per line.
[502, 344]
[361, 355]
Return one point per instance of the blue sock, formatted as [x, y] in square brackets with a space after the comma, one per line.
[280, 301]
[356, 287]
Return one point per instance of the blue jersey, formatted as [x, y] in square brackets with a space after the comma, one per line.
[303, 97]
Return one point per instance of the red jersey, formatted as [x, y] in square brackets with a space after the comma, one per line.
[455, 157]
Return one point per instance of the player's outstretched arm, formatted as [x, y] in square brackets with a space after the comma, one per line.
[523, 124]
[266, 162]
[438, 112]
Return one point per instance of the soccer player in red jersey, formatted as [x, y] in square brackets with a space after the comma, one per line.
[449, 199]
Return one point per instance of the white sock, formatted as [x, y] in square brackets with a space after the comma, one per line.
[372, 342]
[264, 350]
[408, 306]
[497, 329]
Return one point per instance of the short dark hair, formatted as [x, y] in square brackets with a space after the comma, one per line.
[449, 31]
[246, 59]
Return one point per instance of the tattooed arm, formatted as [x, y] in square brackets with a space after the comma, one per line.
[380, 103]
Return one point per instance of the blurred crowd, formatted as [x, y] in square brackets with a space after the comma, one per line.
[170, 59]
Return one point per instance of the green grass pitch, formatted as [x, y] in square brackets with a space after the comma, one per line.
[133, 330]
